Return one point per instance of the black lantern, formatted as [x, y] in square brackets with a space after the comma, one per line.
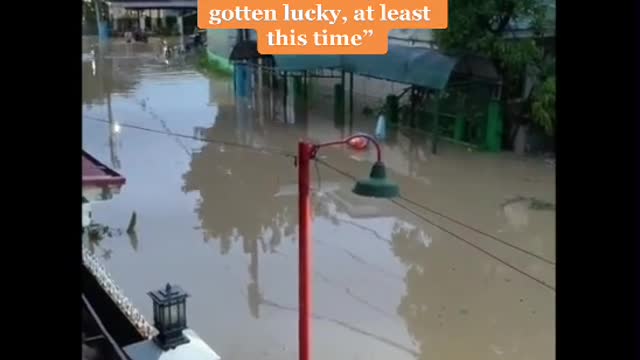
[170, 316]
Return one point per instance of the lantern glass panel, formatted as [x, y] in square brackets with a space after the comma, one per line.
[166, 316]
[182, 313]
[175, 317]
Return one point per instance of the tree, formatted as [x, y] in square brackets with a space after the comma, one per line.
[543, 98]
[483, 27]
[90, 17]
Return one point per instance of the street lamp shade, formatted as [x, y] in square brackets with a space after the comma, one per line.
[377, 185]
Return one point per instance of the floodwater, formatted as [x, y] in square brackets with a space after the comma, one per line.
[440, 276]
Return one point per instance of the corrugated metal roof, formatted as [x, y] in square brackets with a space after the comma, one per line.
[409, 65]
[418, 66]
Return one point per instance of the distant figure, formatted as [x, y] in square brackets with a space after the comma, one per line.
[381, 128]
[92, 56]
[166, 50]
[128, 36]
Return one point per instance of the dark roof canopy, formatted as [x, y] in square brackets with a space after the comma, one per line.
[245, 50]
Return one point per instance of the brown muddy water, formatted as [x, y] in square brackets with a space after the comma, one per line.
[392, 280]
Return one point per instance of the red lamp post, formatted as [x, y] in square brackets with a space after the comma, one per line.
[376, 186]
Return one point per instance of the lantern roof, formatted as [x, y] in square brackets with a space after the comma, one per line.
[168, 293]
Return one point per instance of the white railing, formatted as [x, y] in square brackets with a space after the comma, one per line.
[116, 294]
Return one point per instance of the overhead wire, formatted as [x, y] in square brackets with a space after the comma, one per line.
[458, 222]
[291, 155]
[424, 207]
[454, 235]
[493, 237]
[260, 149]
[282, 152]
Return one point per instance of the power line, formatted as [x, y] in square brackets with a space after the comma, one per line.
[492, 237]
[541, 282]
[282, 152]
[288, 154]
[424, 207]
[271, 150]
[456, 236]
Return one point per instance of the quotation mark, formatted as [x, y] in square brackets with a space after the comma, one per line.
[368, 33]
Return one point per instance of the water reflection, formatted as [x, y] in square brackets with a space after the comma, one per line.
[133, 239]
[446, 304]
[104, 76]
[220, 175]
[385, 278]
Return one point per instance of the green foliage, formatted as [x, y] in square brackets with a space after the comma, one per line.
[480, 27]
[89, 11]
[543, 96]
[543, 106]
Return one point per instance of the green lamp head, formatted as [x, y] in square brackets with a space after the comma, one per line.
[377, 185]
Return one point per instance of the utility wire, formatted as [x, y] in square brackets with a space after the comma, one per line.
[270, 150]
[424, 207]
[456, 236]
[541, 282]
[492, 237]
[282, 152]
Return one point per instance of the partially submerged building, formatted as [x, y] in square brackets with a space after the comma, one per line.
[99, 183]
[413, 61]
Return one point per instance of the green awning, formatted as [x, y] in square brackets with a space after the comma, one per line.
[403, 64]
[409, 65]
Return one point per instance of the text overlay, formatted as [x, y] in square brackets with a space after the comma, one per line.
[298, 27]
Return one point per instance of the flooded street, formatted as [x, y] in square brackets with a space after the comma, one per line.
[461, 267]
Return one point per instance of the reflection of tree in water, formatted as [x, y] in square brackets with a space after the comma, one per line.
[237, 195]
[407, 244]
[439, 298]
[413, 306]
[237, 201]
